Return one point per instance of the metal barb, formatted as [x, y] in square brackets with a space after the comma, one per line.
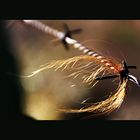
[68, 33]
[107, 77]
[133, 79]
[124, 74]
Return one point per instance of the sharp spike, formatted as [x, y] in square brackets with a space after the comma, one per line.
[107, 77]
[133, 79]
[131, 67]
[68, 33]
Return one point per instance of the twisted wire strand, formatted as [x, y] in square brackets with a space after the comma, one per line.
[113, 66]
[103, 107]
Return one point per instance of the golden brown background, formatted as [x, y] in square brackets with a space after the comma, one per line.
[46, 92]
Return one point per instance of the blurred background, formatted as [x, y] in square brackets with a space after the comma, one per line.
[48, 91]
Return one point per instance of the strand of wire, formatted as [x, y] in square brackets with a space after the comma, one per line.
[77, 45]
[102, 107]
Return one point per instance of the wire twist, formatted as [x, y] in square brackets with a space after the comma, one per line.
[77, 45]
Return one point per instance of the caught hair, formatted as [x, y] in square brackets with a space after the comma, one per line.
[103, 107]
[90, 68]
[87, 68]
